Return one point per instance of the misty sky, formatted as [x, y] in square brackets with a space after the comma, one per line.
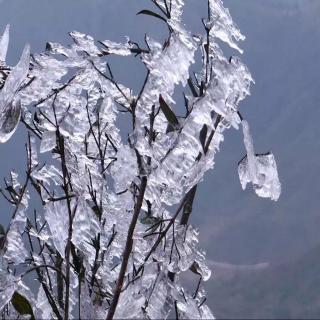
[282, 51]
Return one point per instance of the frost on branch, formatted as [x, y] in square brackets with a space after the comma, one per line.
[112, 236]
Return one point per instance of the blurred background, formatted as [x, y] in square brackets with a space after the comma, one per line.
[265, 256]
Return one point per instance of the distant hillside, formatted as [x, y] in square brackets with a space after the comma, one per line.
[287, 291]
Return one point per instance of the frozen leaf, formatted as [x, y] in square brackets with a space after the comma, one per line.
[117, 48]
[188, 309]
[260, 170]
[9, 120]
[84, 43]
[22, 305]
[169, 114]
[268, 184]
[43, 236]
[85, 230]
[168, 67]
[48, 141]
[56, 215]
[222, 26]
[15, 248]
[44, 310]
[125, 169]
[10, 109]
[48, 174]
[7, 284]
[15, 79]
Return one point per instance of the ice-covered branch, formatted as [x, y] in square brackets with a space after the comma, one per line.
[113, 234]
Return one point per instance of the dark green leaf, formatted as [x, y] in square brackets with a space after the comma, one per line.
[149, 220]
[192, 88]
[48, 46]
[10, 189]
[22, 305]
[195, 268]
[2, 231]
[170, 128]
[203, 136]
[153, 14]
[97, 211]
[169, 114]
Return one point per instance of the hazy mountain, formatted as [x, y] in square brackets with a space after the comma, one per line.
[289, 290]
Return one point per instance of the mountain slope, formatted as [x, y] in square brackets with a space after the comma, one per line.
[287, 291]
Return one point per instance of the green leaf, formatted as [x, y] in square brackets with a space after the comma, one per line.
[192, 88]
[22, 305]
[169, 114]
[153, 14]
[195, 268]
[97, 211]
[203, 136]
[149, 220]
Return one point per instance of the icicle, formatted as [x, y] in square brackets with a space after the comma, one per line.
[33, 150]
[248, 142]
[4, 43]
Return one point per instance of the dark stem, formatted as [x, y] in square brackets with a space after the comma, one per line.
[128, 249]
